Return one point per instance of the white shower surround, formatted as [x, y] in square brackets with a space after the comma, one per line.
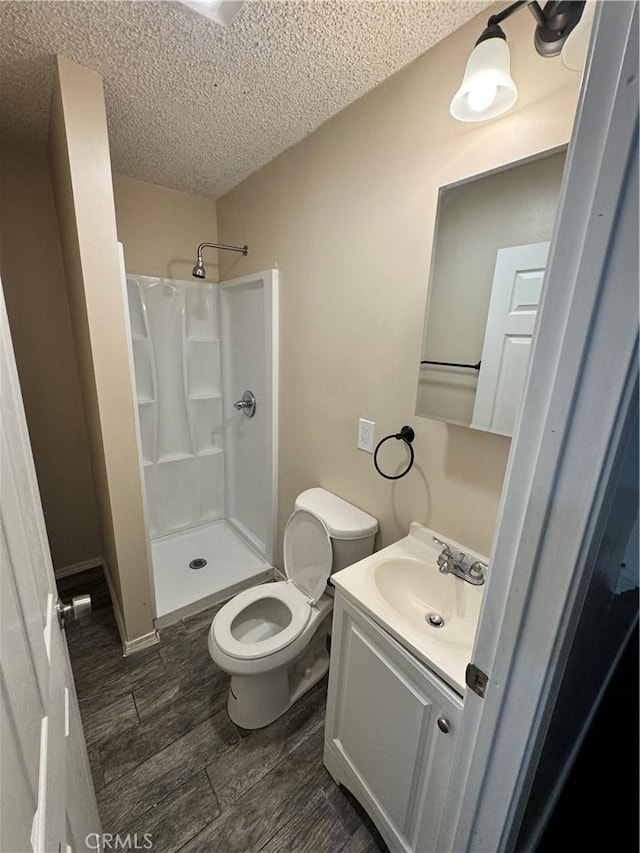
[249, 332]
[209, 472]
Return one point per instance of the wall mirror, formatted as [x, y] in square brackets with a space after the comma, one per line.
[489, 254]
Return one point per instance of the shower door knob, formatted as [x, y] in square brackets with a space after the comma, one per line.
[80, 606]
[247, 404]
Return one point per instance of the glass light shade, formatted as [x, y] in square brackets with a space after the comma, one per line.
[487, 89]
[574, 52]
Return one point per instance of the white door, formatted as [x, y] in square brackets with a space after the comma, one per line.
[579, 406]
[46, 793]
[515, 296]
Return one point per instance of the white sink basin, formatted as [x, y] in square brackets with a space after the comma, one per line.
[435, 616]
[421, 596]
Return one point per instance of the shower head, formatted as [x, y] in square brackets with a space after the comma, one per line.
[199, 271]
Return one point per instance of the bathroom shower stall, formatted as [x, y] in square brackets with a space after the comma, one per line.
[204, 357]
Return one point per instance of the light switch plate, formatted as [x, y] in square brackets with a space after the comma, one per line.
[365, 435]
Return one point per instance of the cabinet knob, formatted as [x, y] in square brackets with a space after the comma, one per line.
[443, 725]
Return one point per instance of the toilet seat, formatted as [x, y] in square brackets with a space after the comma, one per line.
[307, 563]
[283, 591]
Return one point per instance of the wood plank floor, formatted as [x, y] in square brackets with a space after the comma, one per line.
[167, 760]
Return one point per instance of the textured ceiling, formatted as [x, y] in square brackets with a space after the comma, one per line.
[198, 107]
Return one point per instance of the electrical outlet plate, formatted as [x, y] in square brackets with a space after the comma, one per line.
[365, 435]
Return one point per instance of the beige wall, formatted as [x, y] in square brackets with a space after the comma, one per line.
[81, 173]
[34, 286]
[348, 217]
[508, 208]
[161, 229]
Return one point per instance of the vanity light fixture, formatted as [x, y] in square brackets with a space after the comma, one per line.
[488, 89]
[222, 12]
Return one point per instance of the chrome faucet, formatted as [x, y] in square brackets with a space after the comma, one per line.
[460, 564]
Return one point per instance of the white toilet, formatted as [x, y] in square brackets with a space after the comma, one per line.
[272, 638]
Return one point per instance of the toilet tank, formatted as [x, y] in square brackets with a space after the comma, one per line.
[352, 530]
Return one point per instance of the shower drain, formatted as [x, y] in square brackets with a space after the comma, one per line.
[198, 563]
[435, 620]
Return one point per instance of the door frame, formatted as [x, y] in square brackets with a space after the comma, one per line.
[580, 396]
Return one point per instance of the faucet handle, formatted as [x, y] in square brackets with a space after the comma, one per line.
[477, 570]
[457, 556]
[446, 548]
[445, 557]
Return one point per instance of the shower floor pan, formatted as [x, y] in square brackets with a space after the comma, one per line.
[231, 565]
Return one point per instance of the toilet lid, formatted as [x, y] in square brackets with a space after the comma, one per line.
[307, 553]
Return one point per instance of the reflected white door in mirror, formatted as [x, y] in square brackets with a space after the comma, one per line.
[484, 288]
[515, 297]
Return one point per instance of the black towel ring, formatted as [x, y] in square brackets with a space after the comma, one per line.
[407, 435]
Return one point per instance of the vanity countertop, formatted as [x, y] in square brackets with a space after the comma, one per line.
[401, 586]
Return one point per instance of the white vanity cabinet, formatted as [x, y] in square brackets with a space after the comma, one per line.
[391, 730]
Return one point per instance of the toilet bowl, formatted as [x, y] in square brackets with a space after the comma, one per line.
[272, 638]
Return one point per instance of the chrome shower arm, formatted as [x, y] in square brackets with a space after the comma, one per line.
[243, 249]
[199, 271]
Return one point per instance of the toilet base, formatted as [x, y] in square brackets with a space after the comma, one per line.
[255, 701]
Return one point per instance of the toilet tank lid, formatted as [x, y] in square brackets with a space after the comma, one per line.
[342, 519]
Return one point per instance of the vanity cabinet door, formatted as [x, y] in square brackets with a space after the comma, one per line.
[382, 739]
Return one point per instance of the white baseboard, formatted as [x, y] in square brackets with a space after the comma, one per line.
[129, 647]
[114, 603]
[76, 568]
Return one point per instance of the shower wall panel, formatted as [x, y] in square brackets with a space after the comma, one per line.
[248, 310]
[176, 351]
